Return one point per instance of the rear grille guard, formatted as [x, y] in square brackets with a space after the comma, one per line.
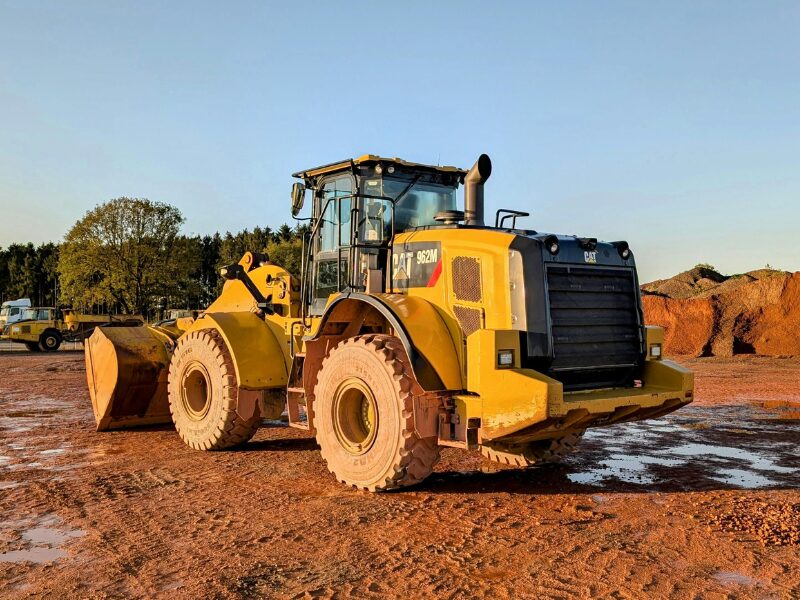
[595, 326]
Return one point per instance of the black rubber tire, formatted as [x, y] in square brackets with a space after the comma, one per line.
[50, 340]
[376, 369]
[203, 394]
[33, 346]
[534, 453]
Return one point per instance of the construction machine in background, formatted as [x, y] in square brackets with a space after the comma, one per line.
[414, 325]
[46, 328]
[11, 311]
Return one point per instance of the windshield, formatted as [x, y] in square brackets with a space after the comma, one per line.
[418, 205]
[5, 311]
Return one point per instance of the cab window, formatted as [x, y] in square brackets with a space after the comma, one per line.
[332, 246]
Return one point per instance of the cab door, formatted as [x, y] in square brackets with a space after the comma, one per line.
[330, 274]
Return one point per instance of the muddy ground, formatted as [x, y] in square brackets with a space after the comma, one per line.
[702, 503]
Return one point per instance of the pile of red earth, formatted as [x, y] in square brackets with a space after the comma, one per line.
[704, 313]
[775, 524]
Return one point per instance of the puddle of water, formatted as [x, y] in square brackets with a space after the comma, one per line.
[53, 451]
[757, 461]
[625, 467]
[48, 536]
[43, 542]
[30, 465]
[629, 452]
[8, 485]
[743, 479]
[33, 555]
[732, 577]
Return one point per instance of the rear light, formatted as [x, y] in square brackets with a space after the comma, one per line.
[623, 250]
[505, 359]
[655, 351]
[552, 245]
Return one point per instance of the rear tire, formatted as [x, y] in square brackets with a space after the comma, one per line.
[203, 394]
[364, 416]
[50, 340]
[533, 453]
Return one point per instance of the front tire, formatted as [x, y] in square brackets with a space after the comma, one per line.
[33, 346]
[203, 393]
[364, 416]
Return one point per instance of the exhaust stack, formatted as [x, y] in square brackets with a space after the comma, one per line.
[473, 190]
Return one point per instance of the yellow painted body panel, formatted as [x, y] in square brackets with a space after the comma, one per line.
[260, 346]
[260, 357]
[30, 331]
[510, 398]
[430, 335]
[126, 370]
[491, 249]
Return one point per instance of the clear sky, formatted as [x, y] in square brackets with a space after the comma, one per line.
[673, 125]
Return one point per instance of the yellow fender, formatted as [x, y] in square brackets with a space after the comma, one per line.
[422, 331]
[260, 358]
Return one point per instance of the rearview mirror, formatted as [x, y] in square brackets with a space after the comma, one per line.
[298, 198]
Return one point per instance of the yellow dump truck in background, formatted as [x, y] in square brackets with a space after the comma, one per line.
[44, 329]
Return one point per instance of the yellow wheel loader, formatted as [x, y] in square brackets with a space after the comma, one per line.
[414, 325]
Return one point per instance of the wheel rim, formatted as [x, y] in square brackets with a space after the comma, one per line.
[196, 391]
[50, 341]
[355, 416]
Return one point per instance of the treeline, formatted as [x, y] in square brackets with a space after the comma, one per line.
[28, 271]
[94, 271]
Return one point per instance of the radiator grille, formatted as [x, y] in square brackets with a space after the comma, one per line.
[468, 318]
[595, 325]
[467, 279]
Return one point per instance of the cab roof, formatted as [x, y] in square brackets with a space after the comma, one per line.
[372, 159]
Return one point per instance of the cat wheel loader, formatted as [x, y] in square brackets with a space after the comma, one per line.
[414, 325]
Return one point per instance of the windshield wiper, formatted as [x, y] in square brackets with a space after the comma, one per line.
[407, 188]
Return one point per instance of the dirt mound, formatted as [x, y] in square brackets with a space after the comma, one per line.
[705, 313]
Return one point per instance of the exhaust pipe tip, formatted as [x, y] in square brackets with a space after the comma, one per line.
[482, 168]
[473, 190]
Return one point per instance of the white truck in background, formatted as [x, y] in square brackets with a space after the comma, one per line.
[11, 311]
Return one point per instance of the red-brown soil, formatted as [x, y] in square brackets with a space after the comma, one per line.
[702, 503]
[707, 314]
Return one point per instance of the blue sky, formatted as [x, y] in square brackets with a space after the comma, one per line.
[675, 126]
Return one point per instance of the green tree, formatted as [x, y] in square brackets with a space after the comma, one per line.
[127, 253]
[287, 254]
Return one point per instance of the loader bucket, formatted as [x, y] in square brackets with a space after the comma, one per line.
[126, 368]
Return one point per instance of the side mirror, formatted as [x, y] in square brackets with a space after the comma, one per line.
[298, 198]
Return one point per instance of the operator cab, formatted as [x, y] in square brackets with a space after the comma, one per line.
[39, 313]
[358, 206]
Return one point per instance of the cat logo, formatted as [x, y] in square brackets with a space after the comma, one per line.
[590, 256]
